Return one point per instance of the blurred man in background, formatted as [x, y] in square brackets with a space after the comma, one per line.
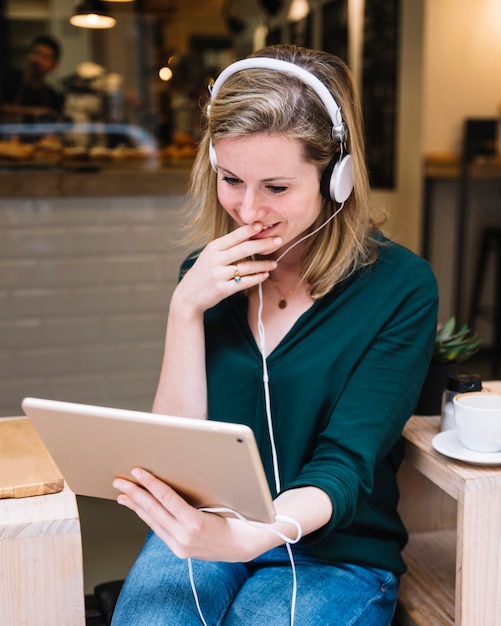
[25, 95]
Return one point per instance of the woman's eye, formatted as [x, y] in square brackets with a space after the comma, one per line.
[230, 180]
[277, 189]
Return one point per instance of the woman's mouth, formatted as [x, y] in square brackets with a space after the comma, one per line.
[267, 230]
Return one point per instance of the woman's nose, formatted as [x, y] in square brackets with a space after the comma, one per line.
[251, 208]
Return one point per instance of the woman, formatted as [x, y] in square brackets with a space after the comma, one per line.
[294, 283]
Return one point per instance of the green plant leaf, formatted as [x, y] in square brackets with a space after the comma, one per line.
[454, 346]
[447, 329]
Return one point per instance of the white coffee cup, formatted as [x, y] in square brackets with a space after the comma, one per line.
[478, 421]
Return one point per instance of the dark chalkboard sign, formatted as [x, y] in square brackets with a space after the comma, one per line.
[335, 28]
[379, 89]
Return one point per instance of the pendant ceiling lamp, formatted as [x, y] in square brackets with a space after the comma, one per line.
[298, 10]
[92, 14]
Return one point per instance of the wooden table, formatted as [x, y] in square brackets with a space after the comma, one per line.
[453, 512]
[41, 567]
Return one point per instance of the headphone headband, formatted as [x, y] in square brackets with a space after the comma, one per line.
[331, 106]
[337, 180]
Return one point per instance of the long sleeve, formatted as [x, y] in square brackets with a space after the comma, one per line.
[343, 382]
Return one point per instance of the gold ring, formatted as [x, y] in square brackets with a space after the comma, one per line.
[237, 278]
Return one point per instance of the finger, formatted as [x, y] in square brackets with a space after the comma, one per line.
[152, 512]
[241, 276]
[250, 267]
[253, 247]
[169, 499]
[171, 518]
[239, 235]
[142, 502]
[263, 246]
[153, 516]
[242, 238]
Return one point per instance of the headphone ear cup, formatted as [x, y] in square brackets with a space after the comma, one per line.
[212, 156]
[325, 180]
[342, 179]
[336, 182]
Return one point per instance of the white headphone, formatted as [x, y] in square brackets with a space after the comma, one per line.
[337, 180]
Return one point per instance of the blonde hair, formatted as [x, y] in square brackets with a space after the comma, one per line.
[266, 101]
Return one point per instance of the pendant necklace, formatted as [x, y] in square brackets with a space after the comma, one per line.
[282, 303]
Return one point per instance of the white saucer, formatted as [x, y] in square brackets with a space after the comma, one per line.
[447, 442]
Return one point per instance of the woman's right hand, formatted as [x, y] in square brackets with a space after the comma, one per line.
[212, 276]
[182, 388]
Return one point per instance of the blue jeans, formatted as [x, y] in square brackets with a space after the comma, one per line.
[157, 591]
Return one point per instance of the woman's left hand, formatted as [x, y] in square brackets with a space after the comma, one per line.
[188, 531]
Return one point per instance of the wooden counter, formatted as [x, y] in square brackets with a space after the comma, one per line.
[453, 511]
[87, 179]
[41, 569]
[448, 167]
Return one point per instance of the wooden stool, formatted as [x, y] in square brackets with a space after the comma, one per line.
[490, 245]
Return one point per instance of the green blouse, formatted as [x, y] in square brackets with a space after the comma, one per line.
[343, 382]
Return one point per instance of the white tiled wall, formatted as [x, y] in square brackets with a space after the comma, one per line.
[84, 290]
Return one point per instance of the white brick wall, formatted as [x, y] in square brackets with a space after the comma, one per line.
[84, 290]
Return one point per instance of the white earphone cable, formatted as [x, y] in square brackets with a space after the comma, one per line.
[313, 232]
[266, 380]
[288, 541]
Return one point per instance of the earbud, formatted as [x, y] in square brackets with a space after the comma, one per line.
[337, 180]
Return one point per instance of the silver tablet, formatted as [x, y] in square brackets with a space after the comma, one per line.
[209, 463]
